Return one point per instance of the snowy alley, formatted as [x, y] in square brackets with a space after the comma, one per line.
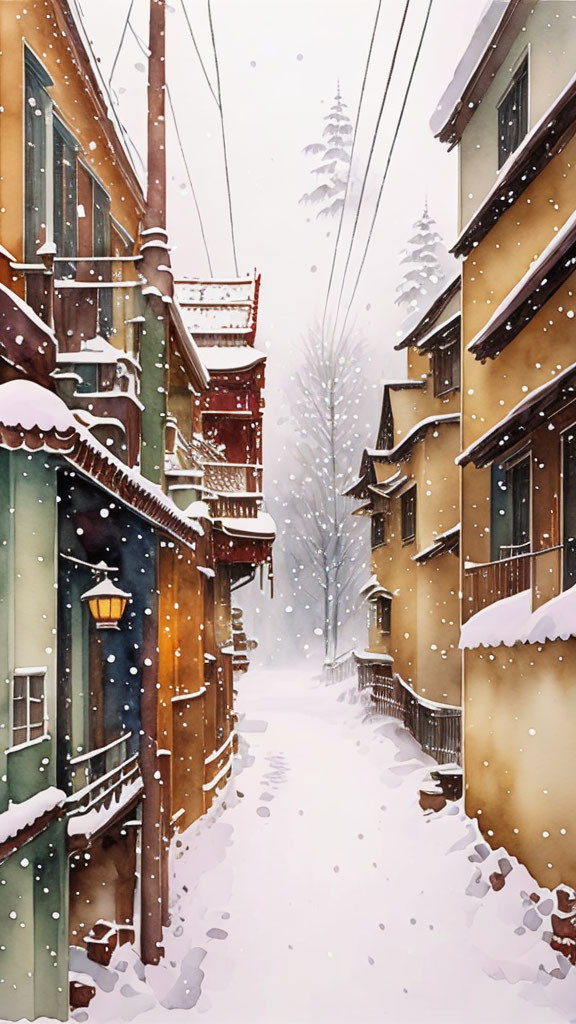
[325, 893]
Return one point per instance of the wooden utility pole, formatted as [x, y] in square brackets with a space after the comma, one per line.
[158, 290]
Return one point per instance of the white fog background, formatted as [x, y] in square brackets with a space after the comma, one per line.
[280, 62]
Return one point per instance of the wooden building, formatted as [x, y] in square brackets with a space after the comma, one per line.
[120, 534]
[511, 110]
[409, 488]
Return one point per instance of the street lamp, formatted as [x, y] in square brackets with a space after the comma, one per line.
[105, 600]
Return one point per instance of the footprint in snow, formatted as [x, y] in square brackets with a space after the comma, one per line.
[264, 812]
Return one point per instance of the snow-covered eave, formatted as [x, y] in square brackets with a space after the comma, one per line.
[410, 439]
[439, 332]
[25, 815]
[29, 313]
[373, 657]
[553, 130]
[444, 542]
[260, 527]
[432, 313]
[485, 54]
[35, 419]
[511, 621]
[230, 358]
[93, 822]
[502, 435]
[188, 348]
[530, 294]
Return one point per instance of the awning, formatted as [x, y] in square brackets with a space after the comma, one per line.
[543, 278]
[525, 417]
[447, 541]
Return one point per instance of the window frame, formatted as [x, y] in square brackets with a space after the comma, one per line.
[378, 530]
[410, 492]
[563, 496]
[64, 137]
[441, 387]
[522, 70]
[34, 730]
[37, 220]
[507, 466]
[383, 614]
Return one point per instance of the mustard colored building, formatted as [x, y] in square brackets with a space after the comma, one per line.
[511, 110]
[409, 488]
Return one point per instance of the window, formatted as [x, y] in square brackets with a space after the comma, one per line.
[513, 115]
[28, 705]
[510, 509]
[446, 368]
[408, 501]
[378, 530]
[383, 609]
[101, 247]
[65, 196]
[36, 157]
[569, 507]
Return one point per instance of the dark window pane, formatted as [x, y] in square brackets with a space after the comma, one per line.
[569, 508]
[34, 167]
[378, 530]
[408, 511]
[513, 115]
[101, 222]
[65, 198]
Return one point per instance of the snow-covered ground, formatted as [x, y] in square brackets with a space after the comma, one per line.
[321, 892]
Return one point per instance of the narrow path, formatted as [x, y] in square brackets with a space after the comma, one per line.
[323, 893]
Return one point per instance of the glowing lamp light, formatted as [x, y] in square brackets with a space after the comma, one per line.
[107, 603]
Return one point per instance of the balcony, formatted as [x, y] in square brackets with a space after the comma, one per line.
[106, 783]
[232, 489]
[489, 582]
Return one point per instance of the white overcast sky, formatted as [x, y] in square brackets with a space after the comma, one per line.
[279, 63]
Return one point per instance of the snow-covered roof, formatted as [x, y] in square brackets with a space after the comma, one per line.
[419, 324]
[22, 815]
[542, 142]
[525, 416]
[412, 436]
[485, 54]
[261, 525]
[373, 657]
[220, 307]
[30, 406]
[530, 294]
[512, 621]
[373, 588]
[34, 418]
[28, 312]
[230, 357]
[439, 332]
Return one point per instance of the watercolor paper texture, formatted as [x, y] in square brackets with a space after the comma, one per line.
[287, 511]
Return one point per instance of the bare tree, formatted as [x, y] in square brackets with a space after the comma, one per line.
[327, 547]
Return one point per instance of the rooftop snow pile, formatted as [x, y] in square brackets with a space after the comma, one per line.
[30, 406]
[23, 815]
[512, 621]
[230, 357]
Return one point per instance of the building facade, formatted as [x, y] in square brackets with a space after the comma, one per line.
[409, 488]
[511, 111]
[120, 536]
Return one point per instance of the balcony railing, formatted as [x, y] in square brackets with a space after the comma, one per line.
[436, 727]
[492, 581]
[233, 489]
[88, 767]
[105, 792]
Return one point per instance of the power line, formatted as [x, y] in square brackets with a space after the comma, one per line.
[120, 44]
[189, 176]
[335, 253]
[198, 54]
[223, 138]
[390, 154]
[369, 163]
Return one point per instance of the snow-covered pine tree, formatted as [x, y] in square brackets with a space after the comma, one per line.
[334, 168]
[424, 272]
